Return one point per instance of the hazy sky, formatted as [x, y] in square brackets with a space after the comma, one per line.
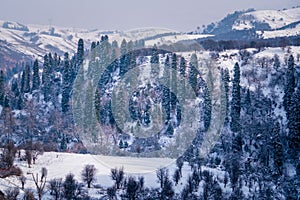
[181, 15]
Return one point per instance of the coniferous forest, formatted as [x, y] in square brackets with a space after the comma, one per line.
[54, 105]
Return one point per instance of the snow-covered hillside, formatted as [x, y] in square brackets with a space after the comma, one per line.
[35, 41]
[267, 23]
[274, 18]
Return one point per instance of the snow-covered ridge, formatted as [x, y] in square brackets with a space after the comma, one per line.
[274, 18]
[36, 40]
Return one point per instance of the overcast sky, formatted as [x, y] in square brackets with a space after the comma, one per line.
[180, 15]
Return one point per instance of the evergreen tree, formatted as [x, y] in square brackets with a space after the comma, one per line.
[236, 100]
[278, 148]
[80, 52]
[225, 80]
[294, 125]
[289, 87]
[207, 109]
[154, 61]
[46, 79]
[67, 73]
[25, 80]
[276, 64]
[2, 90]
[193, 72]
[123, 64]
[35, 76]
[174, 75]
[166, 100]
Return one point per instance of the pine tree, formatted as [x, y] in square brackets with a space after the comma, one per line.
[154, 61]
[25, 81]
[236, 100]
[294, 125]
[289, 87]
[35, 76]
[193, 72]
[123, 64]
[80, 52]
[207, 107]
[225, 80]
[181, 87]
[46, 79]
[166, 100]
[2, 90]
[174, 75]
[276, 64]
[67, 73]
[278, 148]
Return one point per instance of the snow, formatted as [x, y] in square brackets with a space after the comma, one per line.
[61, 164]
[275, 18]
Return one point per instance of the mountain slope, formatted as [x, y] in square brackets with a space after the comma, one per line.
[279, 23]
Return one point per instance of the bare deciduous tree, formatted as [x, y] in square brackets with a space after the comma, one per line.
[117, 175]
[40, 185]
[88, 174]
[55, 187]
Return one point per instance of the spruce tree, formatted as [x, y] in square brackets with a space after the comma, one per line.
[67, 73]
[154, 62]
[123, 64]
[289, 87]
[193, 72]
[207, 107]
[276, 64]
[236, 100]
[80, 52]
[294, 125]
[35, 76]
[174, 75]
[225, 80]
[2, 90]
[46, 79]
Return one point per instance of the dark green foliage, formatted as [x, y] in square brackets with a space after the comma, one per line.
[289, 87]
[193, 72]
[67, 79]
[294, 125]
[46, 78]
[278, 148]
[174, 76]
[176, 176]
[182, 66]
[80, 52]
[276, 63]
[236, 100]
[207, 109]
[2, 88]
[123, 60]
[35, 76]
[25, 81]
[226, 79]
[71, 188]
[132, 188]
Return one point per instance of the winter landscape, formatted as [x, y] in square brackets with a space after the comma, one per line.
[152, 113]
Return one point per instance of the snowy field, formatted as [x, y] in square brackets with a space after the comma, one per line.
[61, 164]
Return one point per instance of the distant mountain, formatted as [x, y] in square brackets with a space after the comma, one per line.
[266, 23]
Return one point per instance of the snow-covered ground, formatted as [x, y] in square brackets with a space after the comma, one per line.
[61, 164]
[275, 18]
